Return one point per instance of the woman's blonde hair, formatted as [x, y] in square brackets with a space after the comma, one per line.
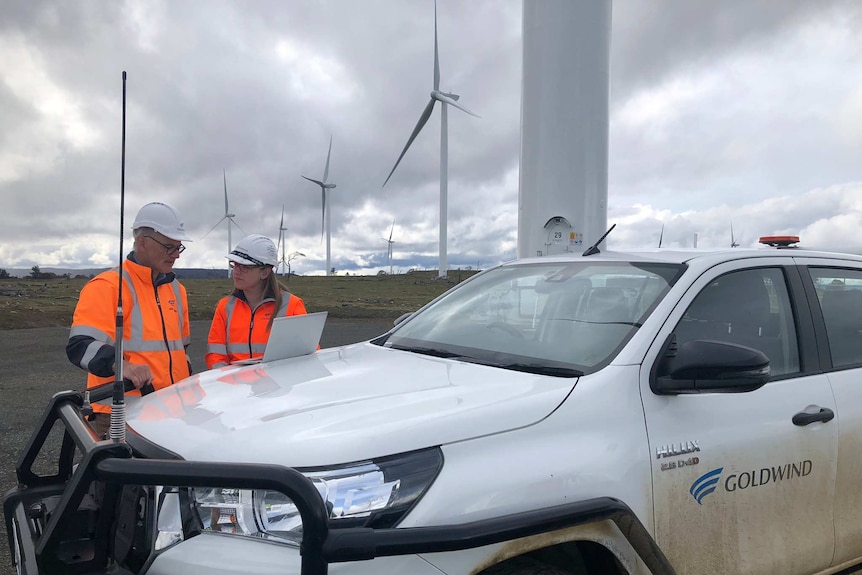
[273, 289]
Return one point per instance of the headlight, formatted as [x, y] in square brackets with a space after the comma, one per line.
[370, 494]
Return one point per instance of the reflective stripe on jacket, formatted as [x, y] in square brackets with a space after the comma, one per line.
[238, 332]
[156, 327]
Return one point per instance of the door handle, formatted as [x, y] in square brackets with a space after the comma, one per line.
[802, 418]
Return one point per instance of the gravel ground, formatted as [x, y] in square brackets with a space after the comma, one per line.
[33, 366]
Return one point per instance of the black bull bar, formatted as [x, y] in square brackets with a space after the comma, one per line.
[51, 550]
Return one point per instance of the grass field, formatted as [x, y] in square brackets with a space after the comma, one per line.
[27, 303]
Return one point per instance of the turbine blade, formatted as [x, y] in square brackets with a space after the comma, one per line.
[423, 119]
[322, 211]
[214, 227]
[661, 235]
[224, 175]
[329, 153]
[318, 182]
[436, 58]
[448, 98]
[391, 230]
[281, 223]
[237, 225]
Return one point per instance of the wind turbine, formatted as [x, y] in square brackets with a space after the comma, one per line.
[444, 99]
[325, 212]
[281, 230]
[227, 216]
[733, 242]
[390, 241]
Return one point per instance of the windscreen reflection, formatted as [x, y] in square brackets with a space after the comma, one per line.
[562, 319]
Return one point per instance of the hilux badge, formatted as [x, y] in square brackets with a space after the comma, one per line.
[677, 449]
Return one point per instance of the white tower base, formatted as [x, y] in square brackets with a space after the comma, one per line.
[563, 189]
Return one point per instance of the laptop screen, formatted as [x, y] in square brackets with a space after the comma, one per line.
[294, 335]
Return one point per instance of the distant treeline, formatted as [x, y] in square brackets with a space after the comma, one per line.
[36, 273]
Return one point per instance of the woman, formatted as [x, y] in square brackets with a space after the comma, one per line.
[242, 320]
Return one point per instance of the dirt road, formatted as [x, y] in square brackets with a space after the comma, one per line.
[33, 366]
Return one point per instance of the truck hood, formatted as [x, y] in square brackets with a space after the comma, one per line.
[339, 405]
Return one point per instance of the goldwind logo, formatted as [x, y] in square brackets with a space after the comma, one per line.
[742, 480]
[705, 484]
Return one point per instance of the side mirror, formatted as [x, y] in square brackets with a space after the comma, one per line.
[705, 366]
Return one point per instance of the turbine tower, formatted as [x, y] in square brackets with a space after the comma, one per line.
[281, 230]
[389, 242]
[565, 87]
[444, 99]
[325, 219]
[229, 217]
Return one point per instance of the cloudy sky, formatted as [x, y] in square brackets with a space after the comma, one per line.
[742, 111]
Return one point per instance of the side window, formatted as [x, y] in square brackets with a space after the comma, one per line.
[840, 294]
[748, 307]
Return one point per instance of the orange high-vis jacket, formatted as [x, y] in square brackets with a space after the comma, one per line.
[155, 326]
[238, 332]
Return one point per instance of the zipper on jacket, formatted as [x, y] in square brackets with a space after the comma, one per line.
[250, 330]
[165, 335]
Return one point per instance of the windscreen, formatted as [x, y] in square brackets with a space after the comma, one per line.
[562, 319]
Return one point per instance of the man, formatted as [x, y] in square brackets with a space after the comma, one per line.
[155, 309]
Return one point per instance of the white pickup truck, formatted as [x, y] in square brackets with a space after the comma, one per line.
[658, 411]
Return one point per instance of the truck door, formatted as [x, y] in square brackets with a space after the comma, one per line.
[738, 487]
[837, 296]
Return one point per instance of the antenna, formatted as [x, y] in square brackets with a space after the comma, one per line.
[118, 406]
[594, 249]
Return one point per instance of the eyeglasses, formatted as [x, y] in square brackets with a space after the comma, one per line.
[170, 249]
[243, 268]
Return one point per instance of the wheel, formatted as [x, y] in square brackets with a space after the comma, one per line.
[503, 326]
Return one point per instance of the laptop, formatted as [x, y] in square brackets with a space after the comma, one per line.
[292, 336]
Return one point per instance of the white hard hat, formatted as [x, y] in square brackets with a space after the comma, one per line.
[163, 218]
[254, 250]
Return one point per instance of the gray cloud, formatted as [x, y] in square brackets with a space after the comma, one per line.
[717, 109]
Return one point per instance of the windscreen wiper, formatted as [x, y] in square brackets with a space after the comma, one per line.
[543, 369]
[599, 322]
[529, 367]
[432, 351]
